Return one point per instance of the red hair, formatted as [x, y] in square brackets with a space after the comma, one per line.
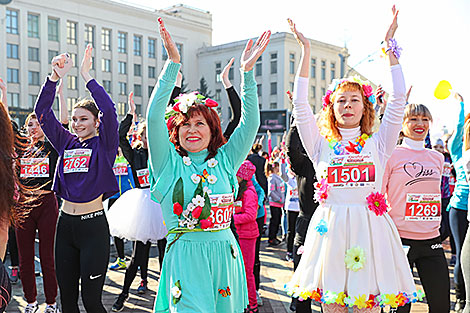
[213, 121]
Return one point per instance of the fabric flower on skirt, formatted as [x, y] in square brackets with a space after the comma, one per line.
[376, 203]
[321, 190]
[322, 227]
[176, 292]
[355, 259]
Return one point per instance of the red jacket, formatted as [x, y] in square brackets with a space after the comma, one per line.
[245, 221]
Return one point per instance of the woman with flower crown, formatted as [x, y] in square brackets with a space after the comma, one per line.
[192, 174]
[352, 255]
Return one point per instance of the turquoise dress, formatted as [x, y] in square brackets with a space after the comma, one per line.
[202, 270]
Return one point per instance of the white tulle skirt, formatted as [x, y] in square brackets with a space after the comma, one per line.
[135, 216]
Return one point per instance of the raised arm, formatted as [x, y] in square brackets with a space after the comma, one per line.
[3, 94]
[295, 151]
[244, 135]
[456, 141]
[393, 117]
[304, 118]
[63, 110]
[124, 127]
[157, 133]
[234, 100]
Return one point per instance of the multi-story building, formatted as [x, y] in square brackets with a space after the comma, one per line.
[127, 56]
[275, 70]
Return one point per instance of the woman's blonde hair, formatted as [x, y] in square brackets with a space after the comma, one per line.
[329, 125]
[417, 110]
[466, 133]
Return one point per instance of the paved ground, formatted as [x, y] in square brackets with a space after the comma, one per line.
[275, 272]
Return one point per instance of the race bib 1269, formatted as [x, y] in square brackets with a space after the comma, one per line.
[423, 207]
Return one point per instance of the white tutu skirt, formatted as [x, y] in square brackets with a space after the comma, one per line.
[134, 216]
[382, 276]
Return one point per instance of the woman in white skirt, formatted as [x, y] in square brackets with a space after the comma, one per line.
[353, 255]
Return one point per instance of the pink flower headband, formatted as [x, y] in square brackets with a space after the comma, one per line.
[366, 87]
[184, 101]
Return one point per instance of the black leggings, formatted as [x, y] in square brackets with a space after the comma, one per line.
[13, 247]
[458, 226]
[274, 222]
[257, 265]
[82, 253]
[430, 261]
[466, 269]
[291, 221]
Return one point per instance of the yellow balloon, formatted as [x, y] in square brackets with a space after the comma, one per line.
[442, 90]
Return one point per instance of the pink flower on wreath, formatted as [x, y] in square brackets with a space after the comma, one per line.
[376, 203]
[321, 190]
[368, 91]
[326, 98]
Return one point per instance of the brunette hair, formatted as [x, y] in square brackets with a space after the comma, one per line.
[30, 117]
[141, 128]
[269, 167]
[89, 105]
[213, 121]
[328, 123]
[242, 187]
[256, 148]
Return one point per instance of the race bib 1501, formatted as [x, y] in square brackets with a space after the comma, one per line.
[353, 170]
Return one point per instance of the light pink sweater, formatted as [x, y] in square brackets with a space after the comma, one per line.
[412, 169]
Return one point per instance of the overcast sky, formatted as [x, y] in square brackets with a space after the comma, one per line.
[435, 36]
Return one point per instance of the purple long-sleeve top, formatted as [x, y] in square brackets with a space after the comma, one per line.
[98, 179]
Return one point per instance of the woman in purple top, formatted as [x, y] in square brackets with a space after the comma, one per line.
[83, 179]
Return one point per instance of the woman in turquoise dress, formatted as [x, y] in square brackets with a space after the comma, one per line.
[192, 176]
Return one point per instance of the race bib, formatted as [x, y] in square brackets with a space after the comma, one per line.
[447, 171]
[293, 193]
[222, 209]
[143, 177]
[120, 169]
[34, 167]
[238, 206]
[423, 207]
[77, 160]
[353, 170]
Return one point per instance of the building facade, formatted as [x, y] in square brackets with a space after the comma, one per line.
[127, 56]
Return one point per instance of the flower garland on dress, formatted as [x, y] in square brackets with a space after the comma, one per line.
[366, 88]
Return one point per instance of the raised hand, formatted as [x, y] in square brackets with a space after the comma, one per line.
[393, 27]
[408, 93]
[458, 97]
[131, 103]
[303, 42]
[168, 43]
[253, 51]
[60, 88]
[179, 79]
[86, 64]
[268, 132]
[224, 75]
[58, 63]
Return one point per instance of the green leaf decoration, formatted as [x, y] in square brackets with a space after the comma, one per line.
[206, 210]
[232, 250]
[178, 192]
[174, 299]
[178, 284]
[199, 96]
[199, 190]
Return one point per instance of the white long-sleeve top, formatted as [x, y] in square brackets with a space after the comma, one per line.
[385, 139]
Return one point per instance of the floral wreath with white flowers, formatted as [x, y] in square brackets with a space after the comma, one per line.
[184, 101]
[366, 87]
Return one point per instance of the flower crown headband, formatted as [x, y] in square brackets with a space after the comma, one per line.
[184, 101]
[366, 87]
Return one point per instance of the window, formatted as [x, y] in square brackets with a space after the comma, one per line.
[137, 45]
[332, 70]
[51, 54]
[33, 78]
[323, 91]
[92, 63]
[122, 42]
[89, 35]
[152, 72]
[106, 39]
[106, 65]
[32, 100]
[273, 63]
[218, 92]
[12, 21]
[71, 33]
[164, 54]
[274, 88]
[53, 29]
[313, 68]
[218, 70]
[260, 90]
[291, 63]
[259, 66]
[73, 56]
[33, 54]
[179, 46]
[313, 92]
[323, 70]
[291, 84]
[121, 108]
[12, 51]
[13, 99]
[137, 70]
[13, 75]
[70, 103]
[71, 82]
[33, 26]
[230, 73]
[151, 47]
[150, 90]
[122, 88]
[137, 90]
[273, 105]
[122, 67]
[107, 85]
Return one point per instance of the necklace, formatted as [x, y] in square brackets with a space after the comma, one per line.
[353, 147]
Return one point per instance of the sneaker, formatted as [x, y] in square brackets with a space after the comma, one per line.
[273, 242]
[51, 308]
[120, 264]
[119, 303]
[453, 258]
[143, 287]
[259, 299]
[459, 306]
[32, 307]
[14, 277]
